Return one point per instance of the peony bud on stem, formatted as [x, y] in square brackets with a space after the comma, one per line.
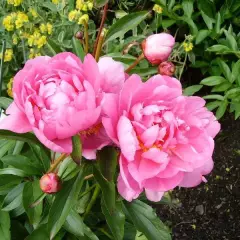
[57, 162]
[166, 68]
[50, 183]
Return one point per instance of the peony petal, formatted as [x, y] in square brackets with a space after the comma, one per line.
[16, 121]
[150, 136]
[154, 196]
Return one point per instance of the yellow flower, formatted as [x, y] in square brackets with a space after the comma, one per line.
[8, 24]
[14, 39]
[33, 12]
[14, 2]
[72, 15]
[84, 7]
[79, 4]
[55, 1]
[157, 8]
[83, 18]
[49, 28]
[41, 41]
[33, 54]
[90, 6]
[187, 46]
[21, 19]
[33, 39]
[9, 87]
[8, 55]
[43, 28]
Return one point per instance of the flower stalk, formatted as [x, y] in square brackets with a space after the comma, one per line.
[57, 162]
[100, 44]
[137, 61]
[100, 29]
[86, 37]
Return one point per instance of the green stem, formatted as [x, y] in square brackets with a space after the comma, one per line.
[105, 233]
[92, 201]
[184, 63]
[57, 162]
[88, 190]
[86, 36]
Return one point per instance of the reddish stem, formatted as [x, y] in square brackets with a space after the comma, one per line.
[101, 28]
[137, 61]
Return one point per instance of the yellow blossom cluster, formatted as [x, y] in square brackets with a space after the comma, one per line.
[79, 14]
[33, 53]
[15, 3]
[15, 20]
[188, 46]
[55, 1]
[36, 39]
[33, 12]
[157, 8]
[46, 28]
[8, 55]
[9, 87]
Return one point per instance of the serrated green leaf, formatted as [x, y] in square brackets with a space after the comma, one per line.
[146, 221]
[125, 24]
[213, 80]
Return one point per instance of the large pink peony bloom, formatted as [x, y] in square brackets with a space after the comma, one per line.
[59, 97]
[166, 139]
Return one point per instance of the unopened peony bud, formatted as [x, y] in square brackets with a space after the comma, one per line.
[79, 35]
[158, 47]
[166, 68]
[50, 183]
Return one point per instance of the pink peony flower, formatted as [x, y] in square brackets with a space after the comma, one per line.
[166, 68]
[59, 97]
[50, 183]
[158, 47]
[166, 139]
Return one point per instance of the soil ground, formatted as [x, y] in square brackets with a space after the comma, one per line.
[211, 211]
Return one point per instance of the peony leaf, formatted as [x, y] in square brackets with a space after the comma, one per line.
[78, 48]
[213, 80]
[146, 220]
[125, 24]
[5, 226]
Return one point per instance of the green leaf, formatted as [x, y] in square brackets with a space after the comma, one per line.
[187, 7]
[40, 233]
[100, 3]
[13, 171]
[218, 23]
[107, 160]
[218, 48]
[208, 20]
[221, 109]
[233, 93]
[146, 221]
[207, 7]
[222, 87]
[23, 163]
[213, 80]
[231, 41]
[31, 193]
[170, 4]
[189, 91]
[5, 102]
[88, 234]
[108, 190]
[125, 24]
[166, 23]
[25, 137]
[5, 226]
[212, 105]
[74, 224]
[13, 198]
[53, 47]
[115, 221]
[225, 69]
[7, 145]
[214, 96]
[77, 149]
[235, 71]
[7, 182]
[78, 48]
[50, 6]
[202, 34]
[64, 201]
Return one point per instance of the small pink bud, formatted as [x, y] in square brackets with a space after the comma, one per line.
[166, 68]
[79, 35]
[50, 183]
[158, 47]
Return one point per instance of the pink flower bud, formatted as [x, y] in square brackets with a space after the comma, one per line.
[50, 183]
[158, 47]
[166, 68]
